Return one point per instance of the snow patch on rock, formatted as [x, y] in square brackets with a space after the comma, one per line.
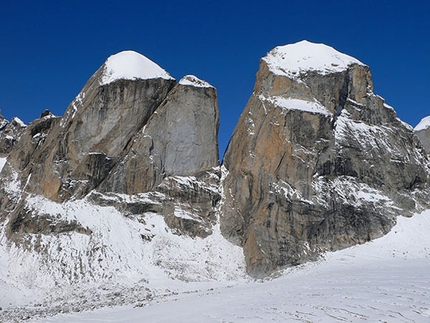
[296, 104]
[423, 124]
[304, 56]
[130, 65]
[18, 122]
[192, 80]
[2, 163]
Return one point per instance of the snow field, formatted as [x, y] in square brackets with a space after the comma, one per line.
[423, 124]
[386, 280]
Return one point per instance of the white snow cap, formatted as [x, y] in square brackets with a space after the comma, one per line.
[130, 65]
[291, 60]
[194, 81]
[19, 122]
[424, 124]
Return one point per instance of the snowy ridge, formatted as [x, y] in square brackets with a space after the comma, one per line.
[192, 80]
[292, 60]
[423, 124]
[130, 65]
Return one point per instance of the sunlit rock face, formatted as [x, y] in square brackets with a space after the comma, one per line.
[317, 161]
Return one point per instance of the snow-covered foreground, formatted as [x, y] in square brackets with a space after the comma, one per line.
[387, 280]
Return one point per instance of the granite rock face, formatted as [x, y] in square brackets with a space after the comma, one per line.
[317, 161]
[131, 130]
[86, 143]
[179, 139]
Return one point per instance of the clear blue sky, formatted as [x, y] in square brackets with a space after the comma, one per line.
[49, 49]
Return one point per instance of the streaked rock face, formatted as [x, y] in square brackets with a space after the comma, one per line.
[180, 138]
[317, 162]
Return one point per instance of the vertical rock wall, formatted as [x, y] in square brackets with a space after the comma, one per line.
[317, 162]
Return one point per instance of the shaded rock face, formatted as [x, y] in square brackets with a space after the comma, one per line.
[424, 136]
[185, 145]
[317, 162]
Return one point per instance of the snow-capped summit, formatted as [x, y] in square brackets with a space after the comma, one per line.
[192, 80]
[423, 124]
[130, 65]
[293, 59]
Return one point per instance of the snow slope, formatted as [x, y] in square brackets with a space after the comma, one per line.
[130, 65]
[126, 259]
[386, 280]
[423, 124]
[291, 60]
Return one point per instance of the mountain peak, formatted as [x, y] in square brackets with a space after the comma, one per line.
[303, 56]
[130, 65]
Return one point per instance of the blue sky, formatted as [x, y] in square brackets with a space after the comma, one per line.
[49, 49]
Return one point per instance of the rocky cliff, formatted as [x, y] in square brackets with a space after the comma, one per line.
[133, 141]
[317, 161]
[127, 185]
